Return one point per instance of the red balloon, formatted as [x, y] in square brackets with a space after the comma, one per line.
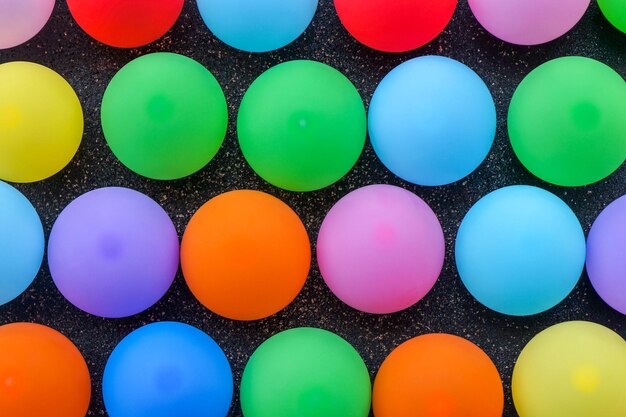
[395, 25]
[126, 23]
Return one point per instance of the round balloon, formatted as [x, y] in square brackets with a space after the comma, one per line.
[606, 263]
[41, 122]
[125, 23]
[113, 252]
[380, 249]
[21, 243]
[245, 255]
[167, 369]
[572, 369]
[438, 375]
[42, 373]
[257, 26]
[395, 26]
[432, 120]
[21, 20]
[528, 22]
[615, 12]
[566, 121]
[520, 250]
[301, 125]
[305, 372]
[164, 116]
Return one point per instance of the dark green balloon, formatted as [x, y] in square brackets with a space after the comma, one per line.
[301, 125]
[305, 372]
[164, 116]
[567, 121]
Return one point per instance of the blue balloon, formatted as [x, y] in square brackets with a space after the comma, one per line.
[167, 369]
[21, 243]
[432, 120]
[520, 250]
[257, 25]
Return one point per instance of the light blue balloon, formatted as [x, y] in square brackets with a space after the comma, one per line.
[21, 243]
[520, 250]
[167, 369]
[257, 25]
[432, 120]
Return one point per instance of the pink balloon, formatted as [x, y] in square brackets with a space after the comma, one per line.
[20, 20]
[380, 249]
[528, 22]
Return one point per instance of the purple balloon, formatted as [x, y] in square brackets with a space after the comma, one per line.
[606, 254]
[113, 252]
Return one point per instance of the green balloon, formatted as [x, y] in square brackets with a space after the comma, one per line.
[164, 116]
[566, 121]
[615, 12]
[301, 125]
[305, 372]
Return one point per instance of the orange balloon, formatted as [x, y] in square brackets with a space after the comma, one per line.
[438, 375]
[42, 373]
[245, 255]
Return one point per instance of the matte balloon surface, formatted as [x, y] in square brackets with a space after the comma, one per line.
[21, 243]
[572, 369]
[167, 369]
[41, 122]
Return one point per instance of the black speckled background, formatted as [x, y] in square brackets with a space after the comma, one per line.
[89, 66]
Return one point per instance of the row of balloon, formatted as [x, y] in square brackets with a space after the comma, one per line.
[167, 368]
[272, 24]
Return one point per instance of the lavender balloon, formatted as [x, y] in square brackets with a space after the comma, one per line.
[113, 252]
[606, 254]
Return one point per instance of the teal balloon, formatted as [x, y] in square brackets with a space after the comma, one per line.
[257, 25]
[520, 250]
[432, 120]
[21, 243]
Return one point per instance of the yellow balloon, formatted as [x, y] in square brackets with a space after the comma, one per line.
[572, 369]
[41, 122]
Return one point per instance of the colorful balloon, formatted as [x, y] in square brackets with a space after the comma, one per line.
[438, 375]
[42, 373]
[528, 22]
[113, 252]
[301, 125]
[380, 249]
[257, 26]
[164, 116]
[41, 122]
[432, 120]
[520, 250]
[305, 372]
[606, 263]
[125, 23]
[395, 26]
[572, 369]
[245, 255]
[566, 121]
[21, 20]
[167, 369]
[21, 243]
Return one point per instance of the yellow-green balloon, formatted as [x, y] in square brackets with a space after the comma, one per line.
[615, 12]
[572, 369]
[566, 121]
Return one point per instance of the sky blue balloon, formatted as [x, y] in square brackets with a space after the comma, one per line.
[432, 120]
[167, 369]
[520, 250]
[257, 25]
[21, 243]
